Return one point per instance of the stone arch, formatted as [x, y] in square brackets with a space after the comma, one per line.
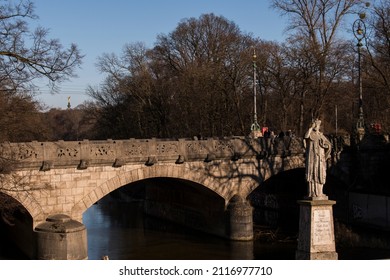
[341, 174]
[294, 176]
[281, 164]
[30, 204]
[180, 171]
[272, 166]
[275, 200]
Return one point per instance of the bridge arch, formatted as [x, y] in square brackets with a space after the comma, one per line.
[272, 166]
[30, 203]
[274, 202]
[219, 185]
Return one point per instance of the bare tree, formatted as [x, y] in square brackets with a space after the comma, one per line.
[195, 80]
[210, 59]
[278, 85]
[314, 25]
[21, 119]
[376, 61]
[125, 98]
[381, 42]
[26, 55]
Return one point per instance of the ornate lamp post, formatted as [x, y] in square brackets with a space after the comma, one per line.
[359, 31]
[255, 127]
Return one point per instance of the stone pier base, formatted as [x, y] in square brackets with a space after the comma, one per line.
[61, 238]
[316, 239]
[239, 224]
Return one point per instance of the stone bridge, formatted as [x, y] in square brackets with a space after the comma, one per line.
[56, 182]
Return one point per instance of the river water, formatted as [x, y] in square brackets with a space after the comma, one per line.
[122, 231]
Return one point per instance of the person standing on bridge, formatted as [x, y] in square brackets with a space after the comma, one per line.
[318, 149]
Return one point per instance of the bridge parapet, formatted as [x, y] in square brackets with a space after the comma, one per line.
[48, 155]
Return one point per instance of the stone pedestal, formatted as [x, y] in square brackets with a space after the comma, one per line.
[239, 224]
[316, 239]
[61, 238]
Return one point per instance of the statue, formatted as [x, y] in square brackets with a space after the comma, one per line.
[318, 149]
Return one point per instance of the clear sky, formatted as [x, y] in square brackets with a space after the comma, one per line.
[105, 26]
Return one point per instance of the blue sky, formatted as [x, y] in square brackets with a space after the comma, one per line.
[105, 26]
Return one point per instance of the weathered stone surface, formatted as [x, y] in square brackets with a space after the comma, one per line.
[68, 177]
[225, 178]
[61, 238]
[318, 151]
[239, 224]
[316, 230]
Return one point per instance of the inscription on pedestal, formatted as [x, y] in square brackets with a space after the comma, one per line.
[322, 227]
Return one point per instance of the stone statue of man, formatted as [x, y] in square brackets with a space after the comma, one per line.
[318, 149]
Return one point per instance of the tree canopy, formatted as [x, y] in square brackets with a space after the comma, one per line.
[198, 79]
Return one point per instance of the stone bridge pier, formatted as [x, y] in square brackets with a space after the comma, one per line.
[61, 238]
[56, 182]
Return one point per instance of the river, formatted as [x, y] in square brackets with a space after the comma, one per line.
[121, 231]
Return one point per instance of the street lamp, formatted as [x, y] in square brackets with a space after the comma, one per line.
[255, 127]
[359, 31]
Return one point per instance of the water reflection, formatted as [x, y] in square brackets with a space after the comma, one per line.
[121, 231]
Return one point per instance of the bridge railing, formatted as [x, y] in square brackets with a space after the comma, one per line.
[47, 155]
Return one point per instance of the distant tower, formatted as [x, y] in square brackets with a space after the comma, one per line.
[68, 102]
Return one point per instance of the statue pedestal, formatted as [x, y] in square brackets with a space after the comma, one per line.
[316, 239]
